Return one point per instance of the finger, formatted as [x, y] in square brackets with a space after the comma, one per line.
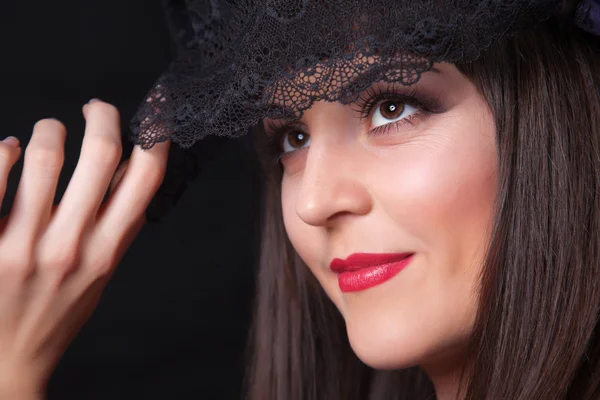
[118, 175]
[43, 161]
[126, 206]
[10, 151]
[100, 154]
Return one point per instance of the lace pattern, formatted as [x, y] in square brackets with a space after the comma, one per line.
[243, 60]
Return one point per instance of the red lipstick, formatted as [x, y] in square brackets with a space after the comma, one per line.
[361, 271]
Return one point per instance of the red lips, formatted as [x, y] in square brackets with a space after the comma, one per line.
[361, 271]
[363, 260]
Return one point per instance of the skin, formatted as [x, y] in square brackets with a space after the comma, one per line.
[427, 187]
[55, 260]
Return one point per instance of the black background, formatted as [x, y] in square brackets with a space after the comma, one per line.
[174, 320]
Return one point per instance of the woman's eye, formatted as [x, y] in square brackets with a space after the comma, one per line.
[391, 111]
[293, 141]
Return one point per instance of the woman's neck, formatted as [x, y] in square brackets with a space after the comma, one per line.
[446, 373]
[446, 386]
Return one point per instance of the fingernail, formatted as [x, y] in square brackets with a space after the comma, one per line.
[93, 100]
[12, 141]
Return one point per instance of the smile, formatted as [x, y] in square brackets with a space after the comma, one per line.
[362, 271]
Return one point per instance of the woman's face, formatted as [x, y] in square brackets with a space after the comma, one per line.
[392, 212]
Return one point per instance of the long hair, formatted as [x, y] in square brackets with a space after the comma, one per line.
[537, 332]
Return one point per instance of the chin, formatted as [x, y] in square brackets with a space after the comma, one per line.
[387, 349]
[386, 346]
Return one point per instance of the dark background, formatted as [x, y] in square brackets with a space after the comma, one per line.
[174, 320]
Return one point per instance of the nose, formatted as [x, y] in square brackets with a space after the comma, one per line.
[331, 187]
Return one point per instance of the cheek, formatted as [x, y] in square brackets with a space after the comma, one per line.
[442, 195]
[439, 194]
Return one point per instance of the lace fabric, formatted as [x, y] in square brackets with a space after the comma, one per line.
[243, 60]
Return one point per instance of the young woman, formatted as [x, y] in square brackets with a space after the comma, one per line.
[433, 233]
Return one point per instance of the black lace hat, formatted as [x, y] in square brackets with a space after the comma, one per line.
[240, 61]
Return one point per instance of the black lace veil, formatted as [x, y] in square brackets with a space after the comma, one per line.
[243, 60]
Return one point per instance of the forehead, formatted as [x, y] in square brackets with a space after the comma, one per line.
[340, 78]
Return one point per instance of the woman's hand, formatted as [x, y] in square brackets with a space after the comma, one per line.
[56, 260]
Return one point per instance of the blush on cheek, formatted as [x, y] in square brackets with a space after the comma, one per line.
[430, 190]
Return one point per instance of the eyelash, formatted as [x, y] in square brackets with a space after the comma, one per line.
[365, 104]
[375, 95]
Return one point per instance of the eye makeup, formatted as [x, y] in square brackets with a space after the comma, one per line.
[368, 100]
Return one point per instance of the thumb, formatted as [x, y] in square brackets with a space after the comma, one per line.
[118, 176]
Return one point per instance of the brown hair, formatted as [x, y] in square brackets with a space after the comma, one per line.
[536, 335]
